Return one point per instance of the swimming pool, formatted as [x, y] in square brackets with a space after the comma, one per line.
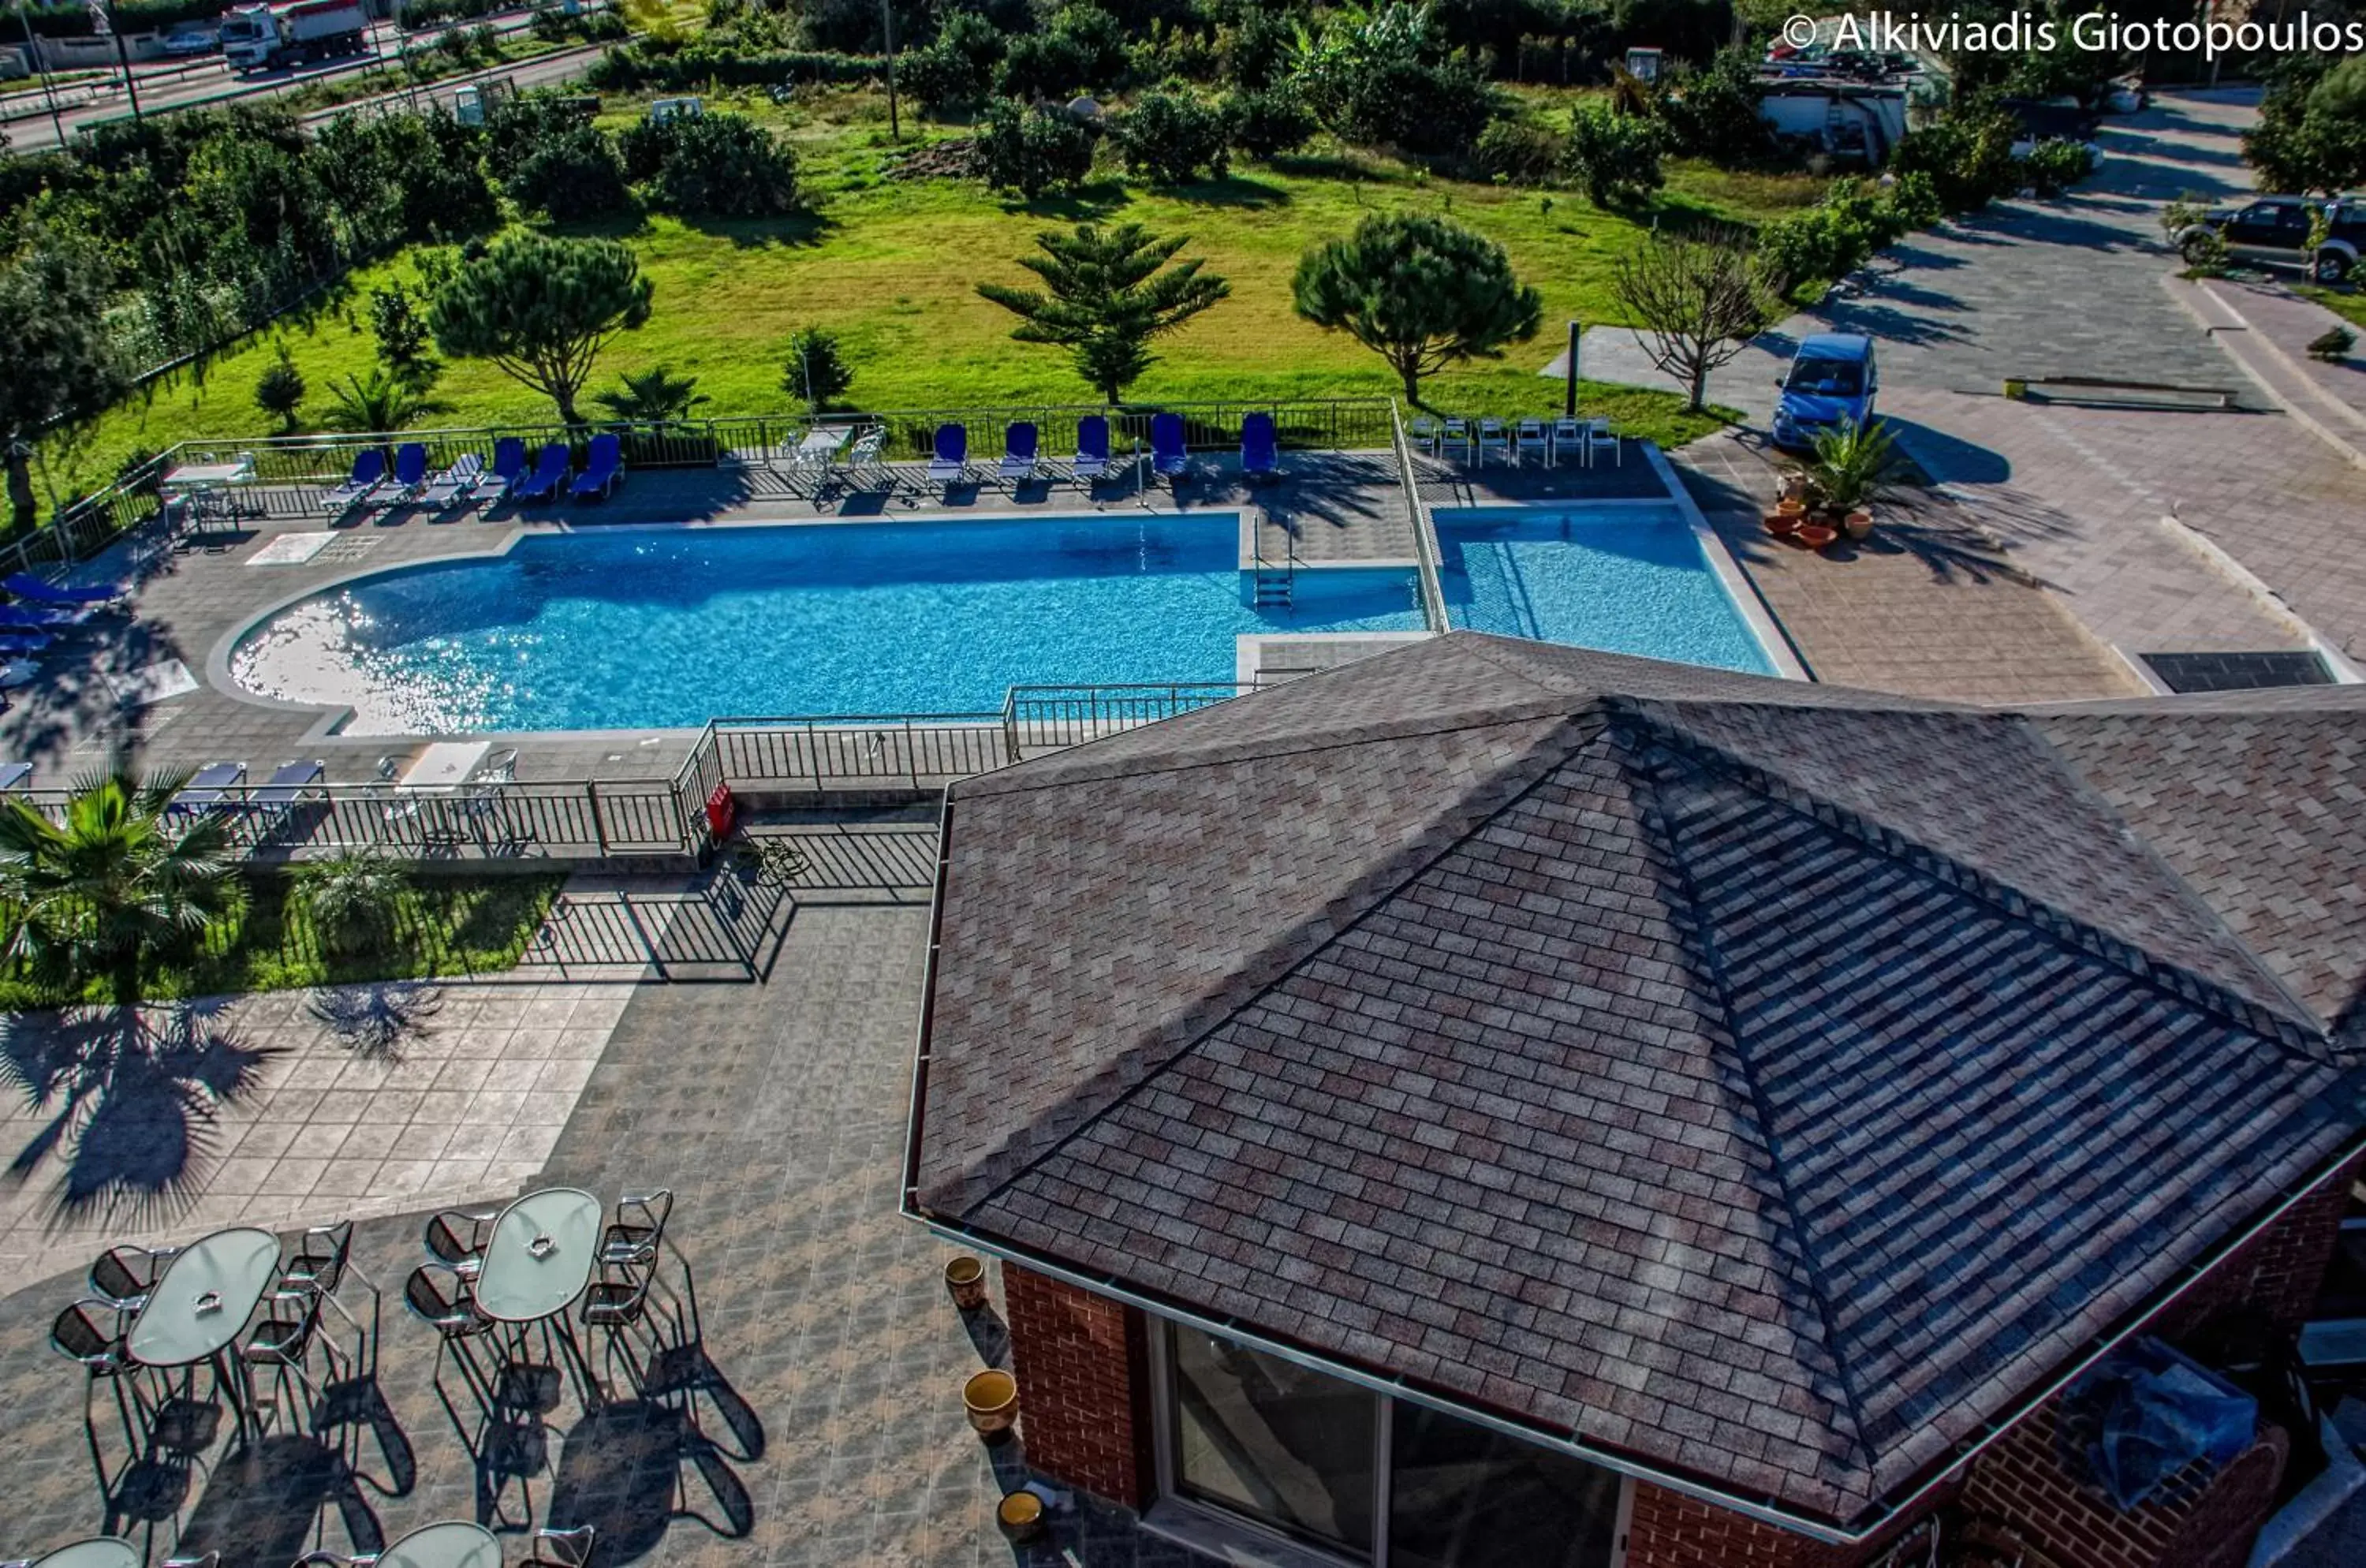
[1626, 578]
[665, 628]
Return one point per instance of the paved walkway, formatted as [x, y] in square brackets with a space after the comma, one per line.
[2266, 329]
[360, 1100]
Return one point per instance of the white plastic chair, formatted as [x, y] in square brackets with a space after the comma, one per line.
[1531, 438]
[1598, 437]
[1456, 436]
[1423, 431]
[1567, 435]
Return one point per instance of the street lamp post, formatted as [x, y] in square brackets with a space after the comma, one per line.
[49, 92]
[102, 17]
[887, 26]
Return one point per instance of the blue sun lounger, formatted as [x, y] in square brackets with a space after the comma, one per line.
[446, 490]
[602, 469]
[509, 466]
[410, 473]
[1018, 458]
[24, 585]
[1260, 458]
[1168, 459]
[951, 464]
[1092, 448]
[209, 789]
[14, 775]
[549, 473]
[37, 618]
[24, 642]
[369, 473]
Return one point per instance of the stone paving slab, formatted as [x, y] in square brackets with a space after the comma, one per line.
[364, 1098]
[1931, 605]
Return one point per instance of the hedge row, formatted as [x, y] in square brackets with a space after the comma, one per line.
[652, 64]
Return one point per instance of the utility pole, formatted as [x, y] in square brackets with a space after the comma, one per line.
[887, 26]
[49, 92]
[102, 17]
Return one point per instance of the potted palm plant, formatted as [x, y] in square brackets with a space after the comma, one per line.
[1853, 467]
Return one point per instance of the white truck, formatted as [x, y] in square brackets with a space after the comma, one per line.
[295, 32]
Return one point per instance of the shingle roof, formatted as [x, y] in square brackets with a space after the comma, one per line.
[1769, 1081]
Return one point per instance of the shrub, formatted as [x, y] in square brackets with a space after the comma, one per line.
[1032, 150]
[2056, 164]
[1042, 65]
[401, 333]
[955, 72]
[350, 900]
[720, 165]
[2206, 253]
[1267, 122]
[1173, 139]
[815, 371]
[1614, 157]
[1518, 152]
[1712, 112]
[1966, 156]
[1915, 200]
[552, 160]
[2333, 345]
[279, 390]
[1385, 77]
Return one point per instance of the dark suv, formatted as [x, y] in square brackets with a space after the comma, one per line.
[2276, 228]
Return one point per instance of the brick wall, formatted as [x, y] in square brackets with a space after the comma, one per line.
[2278, 1270]
[1083, 1366]
[1668, 1530]
[2188, 1524]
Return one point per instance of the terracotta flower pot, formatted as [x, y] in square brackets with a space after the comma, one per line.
[1815, 535]
[991, 1400]
[1858, 524]
[1019, 1515]
[965, 1278]
[1782, 524]
[1792, 505]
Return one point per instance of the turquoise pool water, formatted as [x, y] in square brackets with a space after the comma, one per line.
[1624, 578]
[650, 627]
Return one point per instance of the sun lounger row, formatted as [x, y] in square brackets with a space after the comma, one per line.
[41, 612]
[1488, 440]
[216, 789]
[467, 480]
[1023, 461]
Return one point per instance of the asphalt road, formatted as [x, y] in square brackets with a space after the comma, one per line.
[167, 85]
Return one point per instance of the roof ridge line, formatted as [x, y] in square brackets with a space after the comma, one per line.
[2194, 901]
[1663, 839]
[1279, 746]
[1543, 760]
[2002, 895]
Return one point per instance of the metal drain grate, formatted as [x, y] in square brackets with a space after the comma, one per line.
[2183, 672]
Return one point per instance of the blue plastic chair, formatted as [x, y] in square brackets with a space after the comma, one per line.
[1092, 448]
[1260, 457]
[602, 467]
[951, 463]
[1168, 459]
[549, 473]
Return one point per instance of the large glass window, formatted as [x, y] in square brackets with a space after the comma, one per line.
[1460, 1495]
[1285, 1446]
[1306, 1454]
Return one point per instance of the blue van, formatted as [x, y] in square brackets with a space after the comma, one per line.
[1830, 382]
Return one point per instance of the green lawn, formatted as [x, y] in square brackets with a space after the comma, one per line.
[891, 266]
[2347, 301]
[443, 926]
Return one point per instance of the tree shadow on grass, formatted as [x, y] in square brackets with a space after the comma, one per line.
[131, 1101]
[1085, 204]
[1232, 191]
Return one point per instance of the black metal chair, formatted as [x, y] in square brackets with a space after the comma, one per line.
[457, 1238]
[79, 1334]
[453, 1314]
[638, 1229]
[319, 1260]
[282, 1339]
[122, 1277]
[561, 1549]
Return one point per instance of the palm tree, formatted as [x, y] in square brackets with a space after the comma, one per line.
[653, 396]
[381, 400]
[100, 901]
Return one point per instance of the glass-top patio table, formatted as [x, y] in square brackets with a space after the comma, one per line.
[200, 1305]
[539, 1258]
[452, 1544]
[98, 1551]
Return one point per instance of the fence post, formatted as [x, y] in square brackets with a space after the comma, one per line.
[1010, 724]
[598, 823]
[912, 756]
